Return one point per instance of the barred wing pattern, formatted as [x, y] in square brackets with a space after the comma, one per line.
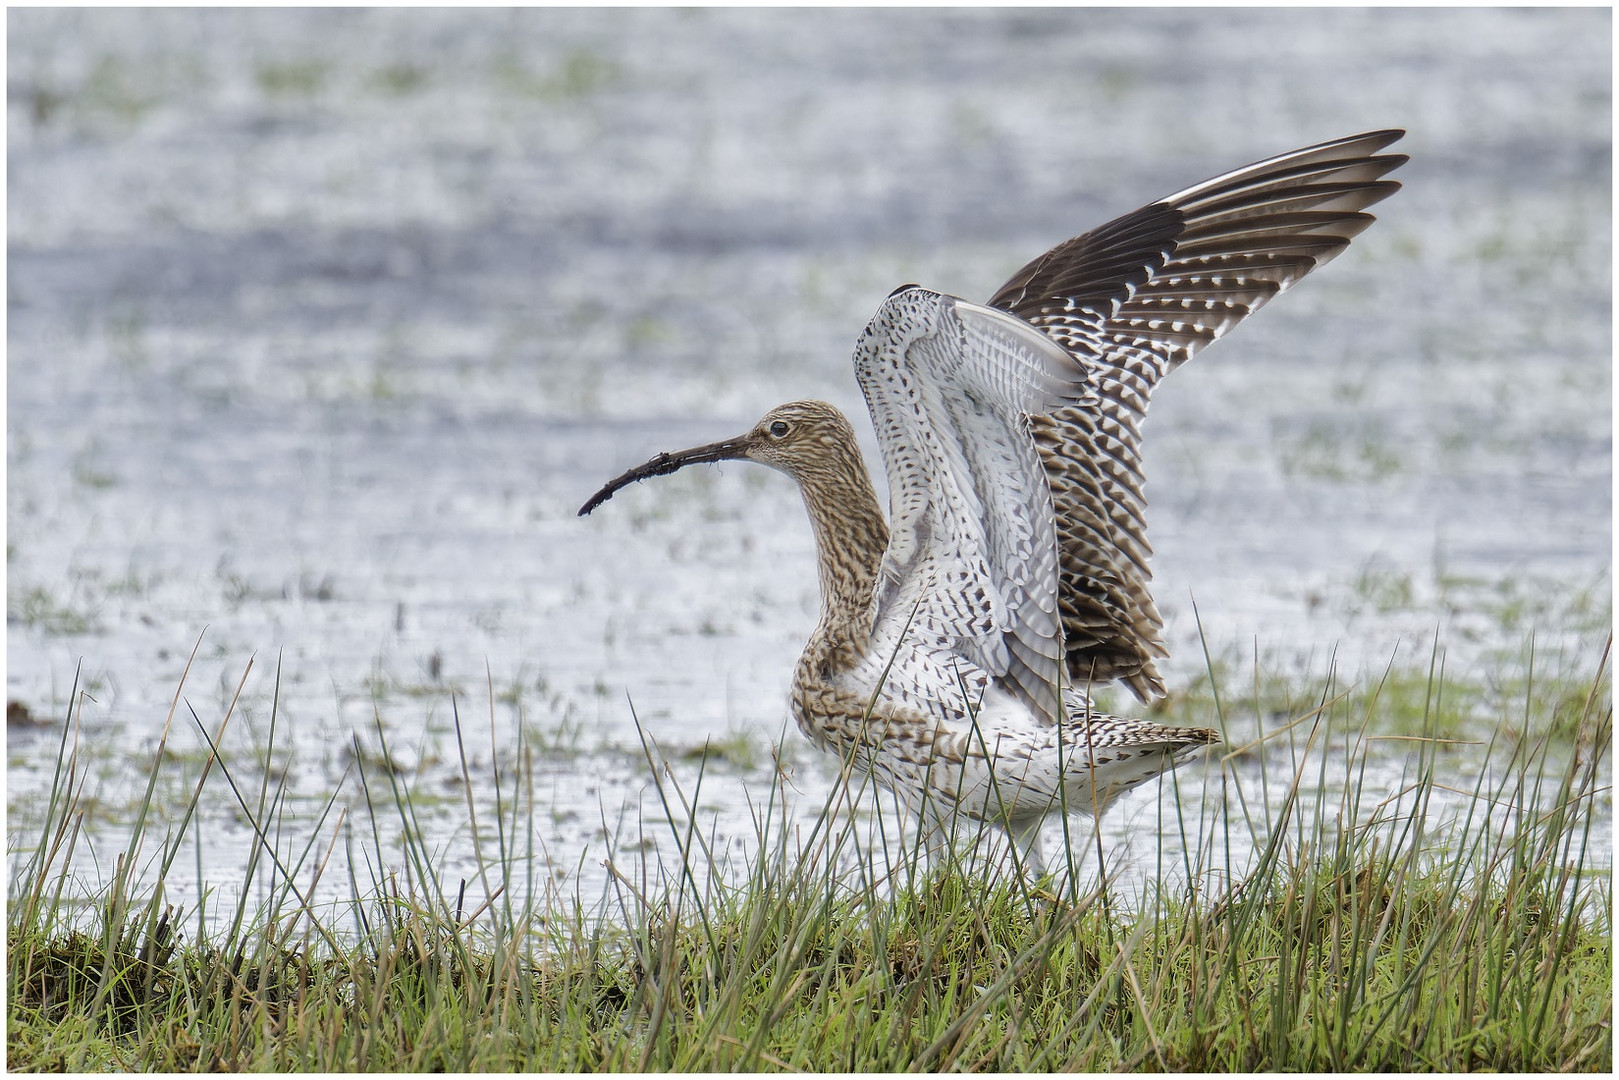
[1135, 299]
[971, 564]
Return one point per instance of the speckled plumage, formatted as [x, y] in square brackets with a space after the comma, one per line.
[957, 637]
[1134, 300]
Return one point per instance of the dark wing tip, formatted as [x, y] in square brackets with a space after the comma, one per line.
[1381, 137]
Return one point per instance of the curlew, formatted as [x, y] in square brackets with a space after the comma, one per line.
[958, 636]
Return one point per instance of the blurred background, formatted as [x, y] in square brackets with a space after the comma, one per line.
[322, 324]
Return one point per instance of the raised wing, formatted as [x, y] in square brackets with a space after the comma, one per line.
[1135, 299]
[971, 564]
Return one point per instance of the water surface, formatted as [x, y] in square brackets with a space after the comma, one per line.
[322, 324]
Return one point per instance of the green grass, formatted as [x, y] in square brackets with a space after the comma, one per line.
[1372, 930]
[38, 606]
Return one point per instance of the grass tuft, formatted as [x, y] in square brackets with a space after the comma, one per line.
[1460, 918]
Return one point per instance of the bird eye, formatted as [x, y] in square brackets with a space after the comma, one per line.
[778, 429]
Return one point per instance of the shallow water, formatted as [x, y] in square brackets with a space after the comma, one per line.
[322, 324]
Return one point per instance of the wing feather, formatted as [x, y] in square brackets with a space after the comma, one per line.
[971, 564]
[1133, 300]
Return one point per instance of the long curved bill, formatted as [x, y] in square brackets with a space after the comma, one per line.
[664, 464]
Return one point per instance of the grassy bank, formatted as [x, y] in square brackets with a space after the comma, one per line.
[1368, 931]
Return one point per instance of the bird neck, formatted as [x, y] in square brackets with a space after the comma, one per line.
[850, 538]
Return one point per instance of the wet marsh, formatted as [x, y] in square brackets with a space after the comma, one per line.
[322, 324]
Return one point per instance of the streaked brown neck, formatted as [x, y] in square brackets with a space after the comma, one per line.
[850, 538]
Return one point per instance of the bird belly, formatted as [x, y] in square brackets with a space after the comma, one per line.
[944, 736]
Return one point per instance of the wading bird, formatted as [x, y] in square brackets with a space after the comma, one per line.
[958, 637]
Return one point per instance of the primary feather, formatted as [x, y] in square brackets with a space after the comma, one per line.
[1132, 301]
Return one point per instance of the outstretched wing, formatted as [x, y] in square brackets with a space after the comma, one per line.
[1135, 299]
[971, 564]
